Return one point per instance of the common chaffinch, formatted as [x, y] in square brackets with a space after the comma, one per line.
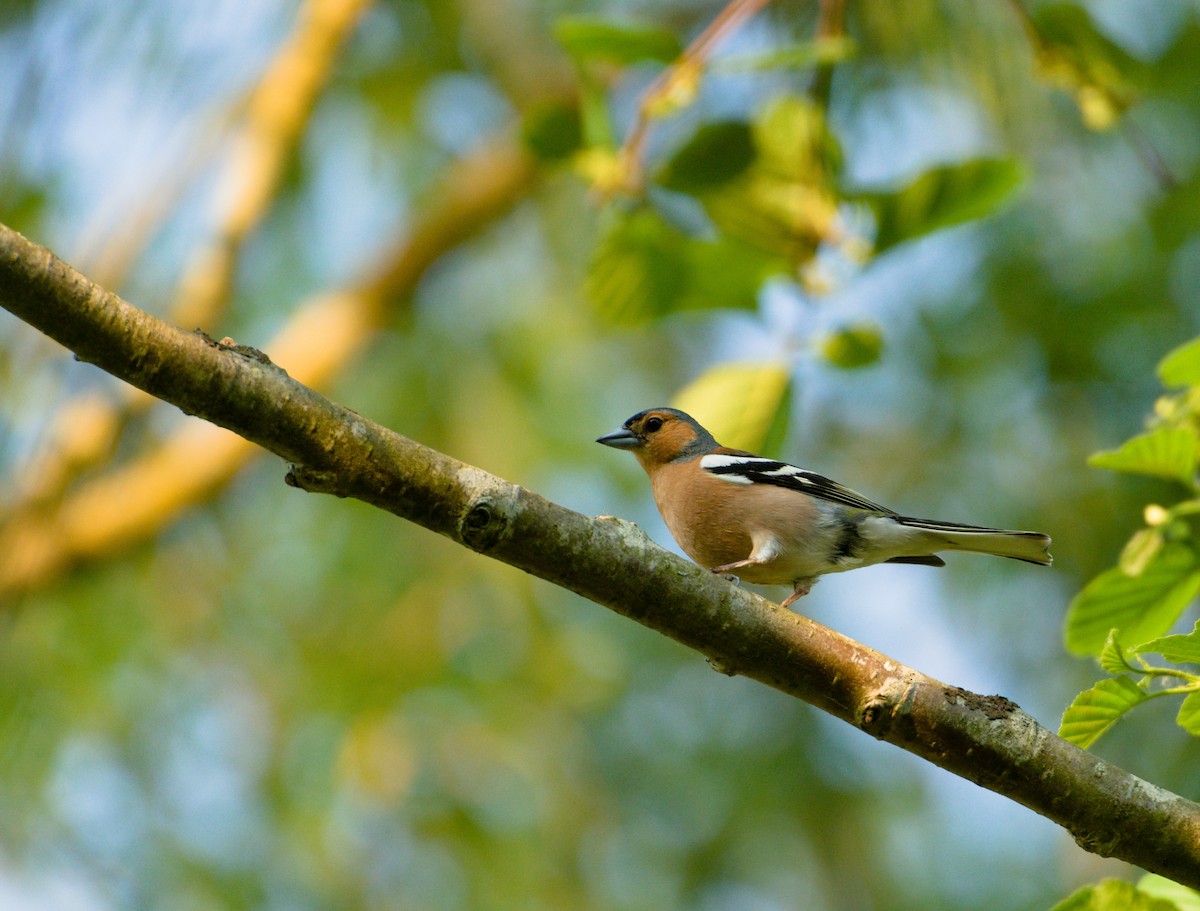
[772, 523]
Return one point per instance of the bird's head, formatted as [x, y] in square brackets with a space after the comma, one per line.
[660, 435]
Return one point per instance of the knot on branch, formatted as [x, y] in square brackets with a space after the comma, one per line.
[881, 708]
[996, 708]
[314, 480]
[875, 716]
[485, 519]
[1106, 844]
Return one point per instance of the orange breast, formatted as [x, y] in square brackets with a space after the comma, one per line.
[717, 522]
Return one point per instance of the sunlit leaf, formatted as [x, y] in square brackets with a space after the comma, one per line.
[778, 217]
[1181, 649]
[599, 40]
[1113, 895]
[744, 405]
[605, 169]
[1182, 897]
[1075, 55]
[1142, 547]
[1094, 711]
[854, 346]
[725, 274]
[716, 154]
[645, 268]
[637, 269]
[940, 198]
[1189, 714]
[1182, 366]
[1166, 452]
[1140, 607]
[770, 184]
[794, 141]
[1112, 656]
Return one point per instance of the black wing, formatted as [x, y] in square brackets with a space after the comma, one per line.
[746, 469]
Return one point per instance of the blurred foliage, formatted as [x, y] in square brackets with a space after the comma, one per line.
[991, 212]
[1158, 887]
[748, 401]
[940, 198]
[1072, 53]
[1113, 895]
[1124, 612]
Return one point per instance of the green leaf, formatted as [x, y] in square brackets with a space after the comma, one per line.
[717, 153]
[1189, 714]
[1076, 56]
[1113, 659]
[595, 121]
[553, 130]
[744, 405]
[794, 141]
[1142, 547]
[1181, 649]
[1094, 711]
[1141, 607]
[1113, 895]
[1182, 897]
[644, 268]
[724, 273]
[637, 269]
[1182, 366]
[783, 202]
[853, 346]
[590, 40]
[941, 198]
[1167, 452]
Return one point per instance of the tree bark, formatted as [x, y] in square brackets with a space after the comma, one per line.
[985, 739]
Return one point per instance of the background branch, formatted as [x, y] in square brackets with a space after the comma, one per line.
[133, 501]
[84, 433]
[986, 739]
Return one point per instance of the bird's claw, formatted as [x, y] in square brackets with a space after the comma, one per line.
[799, 590]
[728, 577]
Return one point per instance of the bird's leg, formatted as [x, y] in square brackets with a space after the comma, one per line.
[764, 551]
[728, 567]
[724, 573]
[800, 588]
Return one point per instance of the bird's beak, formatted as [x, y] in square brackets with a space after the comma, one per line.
[620, 439]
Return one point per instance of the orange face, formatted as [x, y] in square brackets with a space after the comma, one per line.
[663, 436]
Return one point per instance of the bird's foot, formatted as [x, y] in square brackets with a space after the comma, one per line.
[800, 588]
[727, 576]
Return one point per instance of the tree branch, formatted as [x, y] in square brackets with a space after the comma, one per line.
[84, 433]
[986, 739]
[683, 72]
[134, 500]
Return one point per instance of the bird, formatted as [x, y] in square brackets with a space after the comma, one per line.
[770, 523]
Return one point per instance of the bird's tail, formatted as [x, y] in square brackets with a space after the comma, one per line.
[1030, 546]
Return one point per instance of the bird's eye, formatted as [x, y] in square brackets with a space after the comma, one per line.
[653, 424]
